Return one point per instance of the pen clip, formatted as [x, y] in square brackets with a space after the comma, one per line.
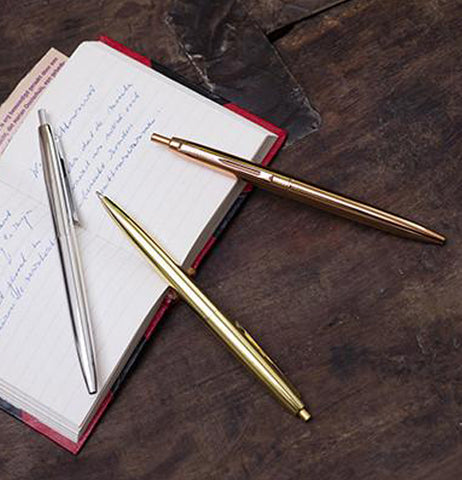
[67, 186]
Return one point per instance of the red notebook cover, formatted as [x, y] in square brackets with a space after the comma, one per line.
[74, 447]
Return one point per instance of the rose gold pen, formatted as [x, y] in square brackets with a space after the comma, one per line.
[301, 191]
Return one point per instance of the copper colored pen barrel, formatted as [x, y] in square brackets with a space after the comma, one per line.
[301, 191]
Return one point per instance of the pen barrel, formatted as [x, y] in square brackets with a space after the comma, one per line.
[245, 349]
[303, 192]
[53, 181]
[279, 183]
[67, 246]
[358, 211]
[235, 337]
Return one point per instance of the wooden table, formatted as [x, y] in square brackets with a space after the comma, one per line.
[367, 325]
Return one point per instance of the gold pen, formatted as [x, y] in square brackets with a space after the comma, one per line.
[239, 342]
[301, 191]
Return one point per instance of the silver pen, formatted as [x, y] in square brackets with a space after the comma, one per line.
[64, 214]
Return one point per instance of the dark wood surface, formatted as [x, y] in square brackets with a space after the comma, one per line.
[367, 325]
[277, 17]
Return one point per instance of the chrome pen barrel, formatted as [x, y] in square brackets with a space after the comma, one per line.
[67, 246]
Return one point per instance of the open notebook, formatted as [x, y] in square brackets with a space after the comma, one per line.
[103, 105]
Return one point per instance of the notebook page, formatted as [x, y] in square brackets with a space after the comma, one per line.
[104, 108]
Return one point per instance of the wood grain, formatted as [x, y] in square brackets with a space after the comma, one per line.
[367, 325]
[276, 15]
[235, 60]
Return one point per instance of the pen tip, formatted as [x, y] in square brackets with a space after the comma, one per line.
[304, 414]
[92, 387]
[431, 236]
[99, 195]
[90, 379]
[156, 137]
[440, 239]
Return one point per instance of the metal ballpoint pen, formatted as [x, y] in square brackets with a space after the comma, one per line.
[238, 341]
[301, 191]
[64, 216]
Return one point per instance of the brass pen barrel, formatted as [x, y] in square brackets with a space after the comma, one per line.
[238, 341]
[301, 191]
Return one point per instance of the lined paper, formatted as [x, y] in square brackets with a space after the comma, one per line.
[104, 106]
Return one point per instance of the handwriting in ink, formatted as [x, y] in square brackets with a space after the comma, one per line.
[4, 219]
[25, 269]
[132, 102]
[80, 175]
[110, 175]
[36, 168]
[6, 316]
[88, 189]
[91, 135]
[5, 255]
[67, 124]
[42, 256]
[24, 220]
[113, 126]
[112, 151]
[125, 89]
[15, 290]
[120, 117]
